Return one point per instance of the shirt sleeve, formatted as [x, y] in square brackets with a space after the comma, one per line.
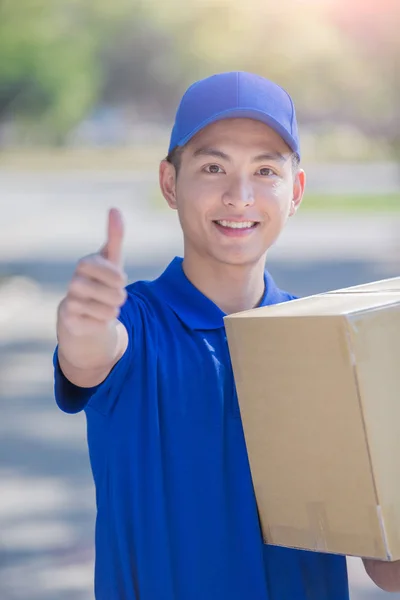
[71, 398]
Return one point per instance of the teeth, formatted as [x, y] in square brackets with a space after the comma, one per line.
[236, 224]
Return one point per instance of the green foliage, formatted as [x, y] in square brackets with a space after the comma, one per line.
[47, 73]
[59, 58]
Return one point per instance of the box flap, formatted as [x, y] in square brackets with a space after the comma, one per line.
[323, 304]
[385, 285]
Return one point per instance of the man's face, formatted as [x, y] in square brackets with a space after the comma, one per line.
[235, 190]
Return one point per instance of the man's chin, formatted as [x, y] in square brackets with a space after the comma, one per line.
[241, 259]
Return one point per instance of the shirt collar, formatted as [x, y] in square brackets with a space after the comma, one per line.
[194, 308]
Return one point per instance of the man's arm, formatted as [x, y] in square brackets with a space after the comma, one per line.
[90, 338]
[385, 575]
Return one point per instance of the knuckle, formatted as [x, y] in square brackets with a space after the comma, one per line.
[72, 307]
[73, 324]
[122, 296]
[75, 285]
[98, 260]
[118, 273]
[120, 283]
[86, 260]
[86, 264]
[109, 312]
[113, 312]
[100, 311]
[65, 307]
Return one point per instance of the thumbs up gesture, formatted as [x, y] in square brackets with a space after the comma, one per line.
[97, 289]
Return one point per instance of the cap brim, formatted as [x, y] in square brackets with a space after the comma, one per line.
[244, 113]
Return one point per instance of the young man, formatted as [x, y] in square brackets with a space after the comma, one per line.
[149, 364]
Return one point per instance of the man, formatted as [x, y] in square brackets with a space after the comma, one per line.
[149, 364]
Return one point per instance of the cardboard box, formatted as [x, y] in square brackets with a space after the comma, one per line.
[318, 382]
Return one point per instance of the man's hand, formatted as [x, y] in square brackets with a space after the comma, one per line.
[385, 575]
[97, 289]
[91, 340]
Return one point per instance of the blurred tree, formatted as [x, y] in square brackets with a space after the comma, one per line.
[139, 69]
[340, 60]
[294, 43]
[47, 74]
[60, 58]
[373, 31]
[132, 54]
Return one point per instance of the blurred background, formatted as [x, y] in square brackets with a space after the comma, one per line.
[88, 91]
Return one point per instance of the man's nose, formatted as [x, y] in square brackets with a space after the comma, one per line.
[239, 193]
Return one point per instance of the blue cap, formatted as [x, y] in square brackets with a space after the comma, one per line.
[235, 94]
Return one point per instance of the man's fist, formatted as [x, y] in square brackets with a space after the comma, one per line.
[97, 289]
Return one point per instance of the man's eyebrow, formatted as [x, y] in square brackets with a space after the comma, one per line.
[275, 156]
[264, 156]
[205, 151]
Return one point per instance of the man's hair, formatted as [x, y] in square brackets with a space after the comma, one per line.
[175, 158]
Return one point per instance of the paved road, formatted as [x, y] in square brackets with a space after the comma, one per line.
[46, 492]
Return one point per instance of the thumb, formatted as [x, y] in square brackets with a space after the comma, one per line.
[112, 250]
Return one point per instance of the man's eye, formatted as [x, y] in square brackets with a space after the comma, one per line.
[266, 171]
[213, 169]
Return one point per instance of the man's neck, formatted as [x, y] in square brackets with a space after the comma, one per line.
[232, 288]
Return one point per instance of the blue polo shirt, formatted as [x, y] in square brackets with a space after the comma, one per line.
[176, 512]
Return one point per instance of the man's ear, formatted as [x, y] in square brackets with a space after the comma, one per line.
[167, 179]
[299, 185]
